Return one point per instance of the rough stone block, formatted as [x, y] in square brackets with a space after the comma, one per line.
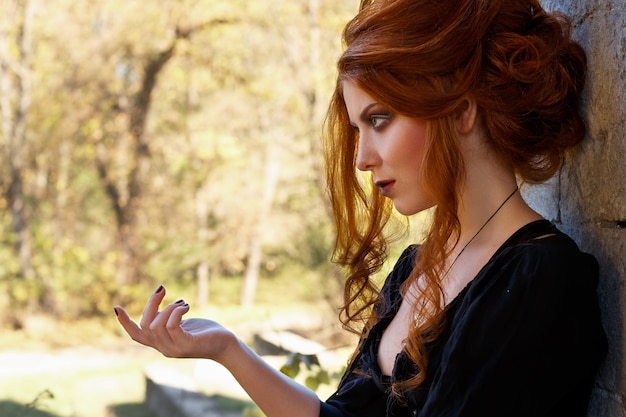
[587, 199]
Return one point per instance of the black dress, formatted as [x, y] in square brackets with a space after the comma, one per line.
[523, 339]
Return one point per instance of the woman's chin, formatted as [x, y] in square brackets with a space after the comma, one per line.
[409, 210]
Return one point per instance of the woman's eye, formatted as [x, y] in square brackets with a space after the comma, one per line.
[379, 120]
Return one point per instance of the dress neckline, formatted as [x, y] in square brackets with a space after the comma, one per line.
[526, 233]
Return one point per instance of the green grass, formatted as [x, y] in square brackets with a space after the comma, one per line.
[79, 369]
[76, 393]
[106, 377]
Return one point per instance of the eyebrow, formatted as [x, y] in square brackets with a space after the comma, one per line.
[363, 116]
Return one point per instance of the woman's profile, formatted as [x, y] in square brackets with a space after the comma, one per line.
[450, 106]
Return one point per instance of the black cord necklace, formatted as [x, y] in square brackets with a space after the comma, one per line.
[481, 229]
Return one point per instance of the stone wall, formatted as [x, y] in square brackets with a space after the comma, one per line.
[588, 198]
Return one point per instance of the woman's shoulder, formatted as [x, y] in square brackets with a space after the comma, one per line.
[390, 292]
[404, 264]
[541, 243]
[540, 255]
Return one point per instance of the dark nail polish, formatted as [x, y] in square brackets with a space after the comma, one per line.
[180, 301]
[186, 305]
[158, 290]
[116, 313]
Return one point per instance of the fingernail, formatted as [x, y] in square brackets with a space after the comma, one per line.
[185, 305]
[180, 301]
[116, 313]
[158, 290]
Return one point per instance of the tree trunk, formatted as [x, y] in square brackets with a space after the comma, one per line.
[125, 193]
[255, 252]
[15, 102]
[203, 232]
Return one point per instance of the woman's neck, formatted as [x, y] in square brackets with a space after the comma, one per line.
[490, 206]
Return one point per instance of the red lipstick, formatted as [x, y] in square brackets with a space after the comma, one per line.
[385, 185]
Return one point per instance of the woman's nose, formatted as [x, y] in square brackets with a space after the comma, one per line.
[366, 155]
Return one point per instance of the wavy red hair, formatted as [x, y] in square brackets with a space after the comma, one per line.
[423, 59]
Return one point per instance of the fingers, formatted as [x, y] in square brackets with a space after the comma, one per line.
[159, 330]
[152, 307]
[150, 312]
[129, 326]
[173, 323]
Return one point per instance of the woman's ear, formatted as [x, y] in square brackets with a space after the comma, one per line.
[465, 118]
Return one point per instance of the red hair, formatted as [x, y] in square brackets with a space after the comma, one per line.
[423, 59]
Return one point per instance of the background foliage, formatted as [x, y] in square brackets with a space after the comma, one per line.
[161, 141]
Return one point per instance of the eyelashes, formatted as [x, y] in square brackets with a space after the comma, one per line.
[379, 121]
[375, 117]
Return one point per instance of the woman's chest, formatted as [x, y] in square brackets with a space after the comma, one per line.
[393, 338]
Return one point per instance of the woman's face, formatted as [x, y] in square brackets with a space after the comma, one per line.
[391, 146]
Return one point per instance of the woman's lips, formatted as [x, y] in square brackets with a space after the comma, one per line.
[385, 186]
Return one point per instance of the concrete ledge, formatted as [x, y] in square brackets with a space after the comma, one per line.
[172, 392]
[203, 388]
[285, 343]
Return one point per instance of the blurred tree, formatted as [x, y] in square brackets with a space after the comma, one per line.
[298, 62]
[132, 109]
[15, 99]
[161, 140]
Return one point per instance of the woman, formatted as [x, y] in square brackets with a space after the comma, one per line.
[448, 104]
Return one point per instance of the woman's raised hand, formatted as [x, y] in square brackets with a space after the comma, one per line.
[168, 333]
